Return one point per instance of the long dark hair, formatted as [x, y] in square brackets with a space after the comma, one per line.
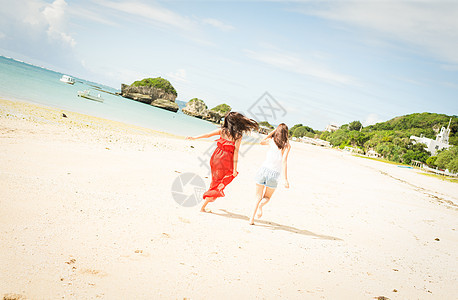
[235, 125]
[280, 136]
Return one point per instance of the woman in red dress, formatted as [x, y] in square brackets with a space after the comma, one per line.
[223, 162]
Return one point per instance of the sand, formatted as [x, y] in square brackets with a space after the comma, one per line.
[86, 211]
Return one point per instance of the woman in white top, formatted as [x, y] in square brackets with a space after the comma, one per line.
[269, 173]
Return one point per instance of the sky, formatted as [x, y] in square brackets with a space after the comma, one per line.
[321, 62]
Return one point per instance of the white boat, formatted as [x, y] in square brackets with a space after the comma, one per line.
[67, 79]
[87, 94]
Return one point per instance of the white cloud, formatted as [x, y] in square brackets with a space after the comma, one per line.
[90, 14]
[29, 20]
[295, 64]
[372, 119]
[152, 12]
[55, 17]
[218, 24]
[431, 26]
[179, 75]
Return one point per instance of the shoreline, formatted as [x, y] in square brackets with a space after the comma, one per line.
[81, 120]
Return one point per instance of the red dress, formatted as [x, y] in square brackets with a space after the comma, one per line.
[222, 167]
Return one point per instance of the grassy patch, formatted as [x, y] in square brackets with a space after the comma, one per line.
[441, 177]
[383, 160]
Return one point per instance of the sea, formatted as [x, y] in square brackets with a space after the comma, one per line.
[20, 81]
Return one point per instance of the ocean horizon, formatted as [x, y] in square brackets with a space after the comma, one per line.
[21, 81]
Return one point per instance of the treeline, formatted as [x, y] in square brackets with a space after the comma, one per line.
[391, 139]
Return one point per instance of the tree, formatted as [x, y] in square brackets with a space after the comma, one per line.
[452, 166]
[431, 161]
[447, 157]
[339, 138]
[415, 152]
[291, 130]
[301, 131]
[355, 125]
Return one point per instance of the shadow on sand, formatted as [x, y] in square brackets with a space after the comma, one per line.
[275, 226]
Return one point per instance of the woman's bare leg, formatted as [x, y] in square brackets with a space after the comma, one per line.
[266, 198]
[259, 192]
[206, 201]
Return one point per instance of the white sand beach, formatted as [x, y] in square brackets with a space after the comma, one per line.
[86, 212]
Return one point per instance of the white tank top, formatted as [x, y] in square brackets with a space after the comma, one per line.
[273, 157]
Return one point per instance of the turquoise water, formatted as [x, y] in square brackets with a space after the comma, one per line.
[22, 81]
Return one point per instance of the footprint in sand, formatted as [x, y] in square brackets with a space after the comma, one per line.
[184, 220]
[97, 273]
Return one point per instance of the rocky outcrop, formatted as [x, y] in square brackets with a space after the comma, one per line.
[150, 95]
[197, 108]
[214, 116]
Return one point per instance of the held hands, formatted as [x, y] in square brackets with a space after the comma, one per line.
[191, 138]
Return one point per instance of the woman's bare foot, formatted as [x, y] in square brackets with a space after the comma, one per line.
[205, 210]
[251, 222]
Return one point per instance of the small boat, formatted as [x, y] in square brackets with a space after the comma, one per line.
[67, 79]
[87, 94]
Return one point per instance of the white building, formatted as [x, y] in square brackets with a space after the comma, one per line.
[439, 143]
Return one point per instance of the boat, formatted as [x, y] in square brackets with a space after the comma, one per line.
[87, 94]
[67, 79]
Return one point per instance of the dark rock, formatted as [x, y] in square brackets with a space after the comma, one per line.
[64, 115]
[150, 95]
[165, 104]
[197, 108]
[214, 116]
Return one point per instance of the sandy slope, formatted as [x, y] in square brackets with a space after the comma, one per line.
[86, 211]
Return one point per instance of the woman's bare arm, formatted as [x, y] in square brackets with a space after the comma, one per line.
[266, 140]
[285, 164]
[206, 135]
[236, 156]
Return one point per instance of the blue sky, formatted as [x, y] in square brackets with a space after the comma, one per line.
[324, 62]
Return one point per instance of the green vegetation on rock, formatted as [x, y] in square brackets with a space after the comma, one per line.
[198, 100]
[222, 108]
[158, 82]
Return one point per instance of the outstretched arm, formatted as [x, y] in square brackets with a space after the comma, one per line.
[285, 164]
[206, 135]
